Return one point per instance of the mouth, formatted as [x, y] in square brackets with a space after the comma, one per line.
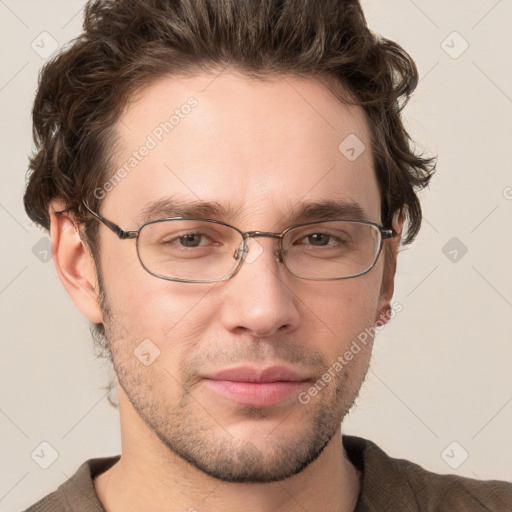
[257, 387]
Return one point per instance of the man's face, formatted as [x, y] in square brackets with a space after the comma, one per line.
[260, 150]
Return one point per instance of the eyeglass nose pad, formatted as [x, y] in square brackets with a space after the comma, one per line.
[240, 251]
[280, 255]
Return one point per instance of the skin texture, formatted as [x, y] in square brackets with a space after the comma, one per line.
[258, 148]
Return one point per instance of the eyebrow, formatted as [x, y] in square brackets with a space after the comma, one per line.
[172, 207]
[302, 212]
[328, 210]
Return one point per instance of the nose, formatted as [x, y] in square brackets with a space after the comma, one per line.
[259, 298]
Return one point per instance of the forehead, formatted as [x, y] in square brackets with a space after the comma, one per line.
[256, 147]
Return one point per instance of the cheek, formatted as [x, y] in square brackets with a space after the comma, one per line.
[342, 310]
[144, 306]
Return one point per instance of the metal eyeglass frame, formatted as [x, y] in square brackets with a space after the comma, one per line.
[123, 235]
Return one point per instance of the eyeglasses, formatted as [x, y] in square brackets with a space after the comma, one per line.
[194, 250]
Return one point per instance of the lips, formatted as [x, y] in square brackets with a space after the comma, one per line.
[258, 387]
[258, 375]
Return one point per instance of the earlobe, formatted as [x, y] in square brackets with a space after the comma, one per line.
[73, 262]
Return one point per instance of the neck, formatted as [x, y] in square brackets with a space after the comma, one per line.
[150, 477]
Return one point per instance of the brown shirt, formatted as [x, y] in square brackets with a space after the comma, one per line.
[387, 484]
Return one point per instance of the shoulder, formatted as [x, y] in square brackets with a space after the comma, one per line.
[77, 494]
[50, 503]
[398, 484]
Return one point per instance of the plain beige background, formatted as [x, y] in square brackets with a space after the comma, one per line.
[440, 387]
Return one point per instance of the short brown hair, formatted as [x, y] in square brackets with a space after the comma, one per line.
[127, 43]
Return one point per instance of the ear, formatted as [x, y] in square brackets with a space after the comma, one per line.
[74, 263]
[390, 249]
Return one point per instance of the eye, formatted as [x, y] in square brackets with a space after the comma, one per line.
[191, 239]
[318, 239]
[321, 239]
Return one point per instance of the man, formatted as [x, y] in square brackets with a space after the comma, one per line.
[226, 186]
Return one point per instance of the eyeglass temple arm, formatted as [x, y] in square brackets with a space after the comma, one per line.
[387, 233]
[121, 233]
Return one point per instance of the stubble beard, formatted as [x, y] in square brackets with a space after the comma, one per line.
[191, 432]
[188, 431]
